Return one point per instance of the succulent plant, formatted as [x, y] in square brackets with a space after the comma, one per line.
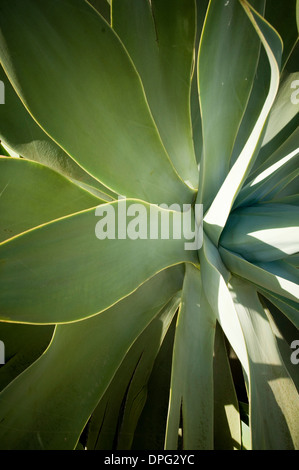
[141, 109]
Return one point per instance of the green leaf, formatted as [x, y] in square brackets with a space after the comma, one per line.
[33, 194]
[272, 393]
[103, 7]
[276, 276]
[159, 37]
[285, 332]
[246, 437]
[227, 62]
[62, 271]
[83, 94]
[227, 426]
[191, 386]
[258, 95]
[283, 120]
[24, 136]
[285, 108]
[201, 10]
[280, 15]
[290, 191]
[219, 210]
[4, 152]
[292, 199]
[289, 308]
[264, 232]
[150, 431]
[273, 176]
[23, 345]
[113, 423]
[293, 259]
[75, 371]
[214, 278]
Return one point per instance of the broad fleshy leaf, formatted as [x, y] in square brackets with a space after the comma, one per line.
[80, 95]
[103, 7]
[285, 108]
[218, 212]
[159, 37]
[77, 368]
[262, 232]
[273, 176]
[33, 194]
[281, 16]
[224, 87]
[23, 345]
[276, 276]
[70, 269]
[26, 138]
[215, 277]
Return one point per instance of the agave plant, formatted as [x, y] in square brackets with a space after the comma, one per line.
[139, 343]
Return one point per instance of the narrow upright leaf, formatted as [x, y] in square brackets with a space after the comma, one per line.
[160, 37]
[218, 212]
[227, 62]
[272, 392]
[192, 370]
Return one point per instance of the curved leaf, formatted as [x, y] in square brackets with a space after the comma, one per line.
[218, 212]
[285, 108]
[23, 345]
[272, 392]
[33, 194]
[113, 423]
[224, 87]
[276, 276]
[24, 136]
[103, 7]
[227, 423]
[288, 307]
[159, 37]
[215, 278]
[281, 15]
[264, 232]
[272, 176]
[62, 272]
[191, 388]
[81, 95]
[150, 431]
[76, 370]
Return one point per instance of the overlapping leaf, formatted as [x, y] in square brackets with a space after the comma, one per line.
[159, 37]
[61, 271]
[116, 110]
[79, 95]
[77, 368]
[191, 388]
